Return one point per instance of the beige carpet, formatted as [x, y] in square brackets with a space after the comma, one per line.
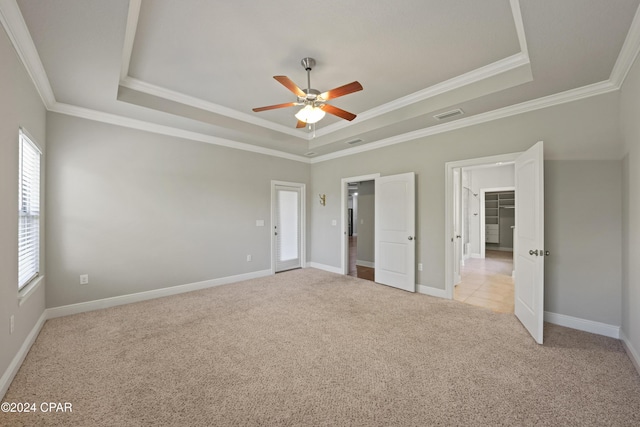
[307, 348]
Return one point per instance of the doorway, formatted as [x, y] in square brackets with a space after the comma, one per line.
[528, 235]
[287, 226]
[361, 226]
[487, 215]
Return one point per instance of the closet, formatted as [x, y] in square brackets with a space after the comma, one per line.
[499, 219]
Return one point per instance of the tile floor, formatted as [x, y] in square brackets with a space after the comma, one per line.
[487, 282]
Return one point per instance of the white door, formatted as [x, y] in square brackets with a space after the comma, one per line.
[287, 229]
[529, 240]
[395, 231]
[457, 223]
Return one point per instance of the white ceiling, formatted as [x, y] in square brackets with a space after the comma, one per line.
[196, 68]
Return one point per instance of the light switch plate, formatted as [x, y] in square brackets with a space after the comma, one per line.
[259, 222]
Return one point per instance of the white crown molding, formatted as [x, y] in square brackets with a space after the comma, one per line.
[129, 36]
[13, 22]
[475, 76]
[517, 20]
[141, 86]
[628, 53]
[99, 116]
[524, 107]
[15, 26]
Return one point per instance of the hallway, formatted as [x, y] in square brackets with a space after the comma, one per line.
[358, 271]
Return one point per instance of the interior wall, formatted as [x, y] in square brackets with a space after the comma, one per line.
[576, 124]
[20, 105]
[630, 125]
[481, 178]
[366, 224]
[583, 233]
[138, 211]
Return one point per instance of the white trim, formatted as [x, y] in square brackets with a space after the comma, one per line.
[478, 256]
[344, 211]
[29, 289]
[85, 113]
[434, 292]
[633, 354]
[365, 263]
[82, 307]
[524, 107]
[628, 53]
[517, 20]
[599, 328]
[129, 36]
[148, 88]
[17, 360]
[325, 267]
[13, 22]
[496, 68]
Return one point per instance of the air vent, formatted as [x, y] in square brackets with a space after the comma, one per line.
[449, 114]
[310, 153]
[355, 141]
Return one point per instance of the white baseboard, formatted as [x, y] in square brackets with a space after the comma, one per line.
[325, 267]
[365, 263]
[476, 256]
[583, 324]
[14, 366]
[82, 307]
[434, 292]
[634, 355]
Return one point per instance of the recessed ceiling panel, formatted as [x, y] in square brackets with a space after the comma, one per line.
[227, 52]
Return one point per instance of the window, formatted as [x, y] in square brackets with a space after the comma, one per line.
[28, 211]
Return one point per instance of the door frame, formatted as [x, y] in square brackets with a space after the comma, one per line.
[303, 221]
[449, 235]
[344, 205]
[482, 218]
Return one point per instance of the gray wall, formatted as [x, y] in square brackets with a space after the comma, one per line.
[577, 124]
[139, 211]
[20, 105]
[630, 111]
[583, 232]
[366, 222]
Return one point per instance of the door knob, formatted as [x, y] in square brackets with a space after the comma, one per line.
[532, 252]
[458, 236]
[410, 238]
[276, 233]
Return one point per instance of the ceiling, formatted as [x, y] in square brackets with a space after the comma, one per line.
[196, 68]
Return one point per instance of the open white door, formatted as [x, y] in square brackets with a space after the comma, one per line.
[395, 231]
[457, 224]
[529, 240]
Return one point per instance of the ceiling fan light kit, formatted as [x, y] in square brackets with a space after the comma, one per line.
[313, 101]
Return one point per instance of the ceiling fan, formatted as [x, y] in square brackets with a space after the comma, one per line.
[314, 101]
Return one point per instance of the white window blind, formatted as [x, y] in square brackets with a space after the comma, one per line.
[29, 211]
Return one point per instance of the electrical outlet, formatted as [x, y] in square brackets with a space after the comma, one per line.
[334, 222]
[84, 279]
[419, 266]
[248, 258]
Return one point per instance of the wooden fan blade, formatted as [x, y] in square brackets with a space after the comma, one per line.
[273, 107]
[301, 124]
[289, 84]
[341, 91]
[338, 112]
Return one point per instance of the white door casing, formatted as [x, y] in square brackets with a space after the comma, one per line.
[395, 231]
[529, 240]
